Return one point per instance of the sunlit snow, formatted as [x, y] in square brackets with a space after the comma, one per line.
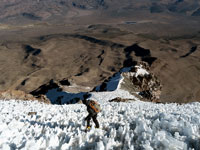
[134, 125]
[141, 71]
[115, 81]
[123, 126]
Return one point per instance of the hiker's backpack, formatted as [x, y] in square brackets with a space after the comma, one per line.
[95, 106]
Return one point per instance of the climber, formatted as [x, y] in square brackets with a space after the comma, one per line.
[93, 109]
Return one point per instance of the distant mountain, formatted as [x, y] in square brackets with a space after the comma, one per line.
[40, 9]
[47, 9]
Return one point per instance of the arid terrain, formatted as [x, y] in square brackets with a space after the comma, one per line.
[82, 43]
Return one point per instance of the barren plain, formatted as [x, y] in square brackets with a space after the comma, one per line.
[86, 42]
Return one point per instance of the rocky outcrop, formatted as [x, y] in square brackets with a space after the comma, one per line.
[144, 82]
[43, 98]
[15, 94]
[21, 95]
[119, 99]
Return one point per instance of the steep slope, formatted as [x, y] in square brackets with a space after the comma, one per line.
[86, 60]
[131, 125]
[75, 57]
[135, 125]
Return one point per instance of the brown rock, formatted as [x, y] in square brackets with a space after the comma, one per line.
[43, 98]
[119, 99]
[148, 85]
[16, 94]
[21, 95]
[32, 113]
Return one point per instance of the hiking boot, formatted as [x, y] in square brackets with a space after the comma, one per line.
[87, 129]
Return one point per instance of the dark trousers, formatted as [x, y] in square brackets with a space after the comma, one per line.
[94, 118]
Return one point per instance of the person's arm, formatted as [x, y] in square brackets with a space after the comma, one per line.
[86, 102]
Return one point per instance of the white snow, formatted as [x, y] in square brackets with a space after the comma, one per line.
[115, 81]
[113, 88]
[123, 126]
[53, 95]
[109, 95]
[128, 126]
[141, 71]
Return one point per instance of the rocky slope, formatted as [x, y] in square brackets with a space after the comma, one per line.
[83, 61]
[21, 95]
[141, 80]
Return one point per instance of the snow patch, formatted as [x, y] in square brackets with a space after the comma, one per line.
[141, 71]
[114, 82]
[54, 94]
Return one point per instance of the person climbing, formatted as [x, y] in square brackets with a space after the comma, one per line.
[93, 108]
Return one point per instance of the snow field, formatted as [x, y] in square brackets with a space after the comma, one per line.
[135, 125]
